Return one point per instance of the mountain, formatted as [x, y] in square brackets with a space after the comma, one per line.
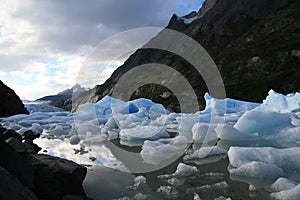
[10, 103]
[75, 90]
[255, 44]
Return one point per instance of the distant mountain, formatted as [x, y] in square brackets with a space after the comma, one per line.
[10, 103]
[255, 44]
[68, 93]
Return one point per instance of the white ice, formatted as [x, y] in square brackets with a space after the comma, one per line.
[283, 158]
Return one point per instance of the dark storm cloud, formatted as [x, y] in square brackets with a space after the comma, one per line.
[66, 25]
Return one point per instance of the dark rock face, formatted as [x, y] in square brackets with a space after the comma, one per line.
[12, 189]
[56, 177]
[255, 44]
[24, 174]
[10, 103]
[16, 165]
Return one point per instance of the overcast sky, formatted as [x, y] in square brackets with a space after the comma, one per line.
[44, 43]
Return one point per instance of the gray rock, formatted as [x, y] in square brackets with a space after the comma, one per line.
[15, 164]
[16, 144]
[10, 103]
[12, 189]
[56, 177]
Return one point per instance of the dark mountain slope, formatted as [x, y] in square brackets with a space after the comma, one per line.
[255, 43]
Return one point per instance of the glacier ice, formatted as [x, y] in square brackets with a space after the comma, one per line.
[205, 152]
[260, 170]
[154, 152]
[183, 170]
[262, 122]
[277, 102]
[284, 158]
[283, 184]
[143, 133]
[217, 106]
[289, 194]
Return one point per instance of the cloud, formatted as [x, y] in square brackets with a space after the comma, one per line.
[32, 31]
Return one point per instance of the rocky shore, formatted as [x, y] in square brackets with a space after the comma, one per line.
[27, 175]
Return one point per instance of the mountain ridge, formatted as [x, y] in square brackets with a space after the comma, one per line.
[250, 65]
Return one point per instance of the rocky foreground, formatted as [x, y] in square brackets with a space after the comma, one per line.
[10, 103]
[27, 175]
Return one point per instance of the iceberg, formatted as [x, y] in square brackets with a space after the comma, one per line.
[183, 170]
[283, 184]
[227, 132]
[262, 122]
[286, 158]
[204, 132]
[290, 194]
[154, 152]
[143, 133]
[205, 152]
[226, 106]
[258, 170]
[280, 103]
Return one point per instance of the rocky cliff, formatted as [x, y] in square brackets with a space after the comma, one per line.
[10, 103]
[255, 44]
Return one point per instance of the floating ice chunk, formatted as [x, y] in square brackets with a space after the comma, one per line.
[75, 139]
[205, 152]
[227, 132]
[85, 127]
[280, 103]
[143, 133]
[259, 170]
[283, 184]
[291, 194]
[196, 196]
[180, 142]
[187, 121]
[58, 131]
[218, 106]
[36, 128]
[283, 158]
[168, 192]
[219, 187]
[140, 196]
[183, 170]
[204, 133]
[123, 198]
[95, 140]
[175, 181]
[222, 198]
[205, 155]
[262, 122]
[138, 183]
[252, 188]
[154, 152]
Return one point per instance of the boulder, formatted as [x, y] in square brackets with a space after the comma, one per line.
[10, 103]
[15, 164]
[56, 177]
[12, 189]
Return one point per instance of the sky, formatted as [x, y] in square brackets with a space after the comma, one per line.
[43, 44]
